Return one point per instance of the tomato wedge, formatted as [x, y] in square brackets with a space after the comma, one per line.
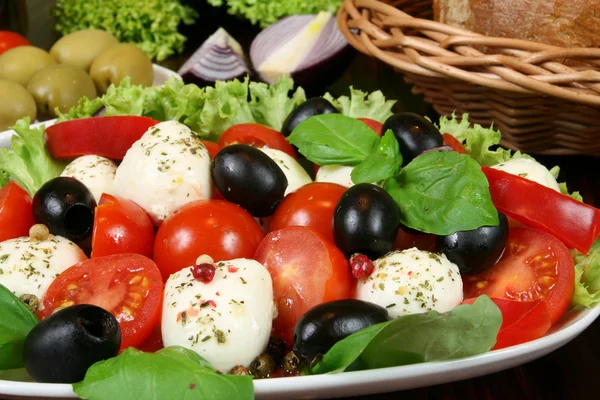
[256, 135]
[535, 265]
[453, 142]
[375, 125]
[109, 137]
[16, 215]
[129, 286]
[575, 223]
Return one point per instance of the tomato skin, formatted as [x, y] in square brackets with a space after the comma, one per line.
[108, 137]
[307, 270]
[154, 342]
[121, 226]
[212, 147]
[113, 283]
[9, 40]
[16, 215]
[220, 229]
[256, 135]
[406, 240]
[375, 125]
[453, 142]
[535, 265]
[575, 223]
[312, 205]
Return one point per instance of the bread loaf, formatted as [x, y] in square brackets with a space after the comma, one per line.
[564, 23]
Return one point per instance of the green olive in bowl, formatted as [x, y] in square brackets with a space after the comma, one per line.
[80, 48]
[19, 64]
[15, 103]
[59, 86]
[119, 61]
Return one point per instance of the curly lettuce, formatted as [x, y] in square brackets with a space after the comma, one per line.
[362, 105]
[587, 276]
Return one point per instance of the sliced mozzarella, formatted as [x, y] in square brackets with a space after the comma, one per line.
[412, 281]
[164, 170]
[529, 169]
[295, 174]
[29, 266]
[227, 321]
[95, 172]
[340, 174]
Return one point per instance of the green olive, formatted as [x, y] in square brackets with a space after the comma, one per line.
[80, 48]
[15, 103]
[19, 64]
[120, 61]
[60, 86]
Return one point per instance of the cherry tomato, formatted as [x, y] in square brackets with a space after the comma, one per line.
[9, 39]
[535, 265]
[575, 223]
[222, 230]
[121, 226]
[109, 137]
[312, 205]
[212, 147]
[451, 141]
[307, 269]
[129, 286]
[256, 135]
[522, 322]
[16, 215]
[375, 125]
[154, 342]
[406, 240]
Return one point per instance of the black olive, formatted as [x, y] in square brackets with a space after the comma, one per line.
[326, 324]
[414, 133]
[248, 177]
[311, 107]
[276, 349]
[62, 347]
[366, 221]
[476, 250]
[66, 207]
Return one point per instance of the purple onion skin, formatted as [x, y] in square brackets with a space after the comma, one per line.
[190, 77]
[100, 112]
[317, 77]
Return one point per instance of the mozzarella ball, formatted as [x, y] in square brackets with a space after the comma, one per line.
[95, 172]
[340, 174]
[164, 170]
[228, 320]
[412, 281]
[295, 174]
[29, 266]
[529, 169]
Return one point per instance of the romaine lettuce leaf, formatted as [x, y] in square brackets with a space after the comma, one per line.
[587, 276]
[363, 105]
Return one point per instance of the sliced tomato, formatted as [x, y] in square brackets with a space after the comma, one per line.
[129, 286]
[312, 205]
[375, 125]
[121, 226]
[575, 223]
[256, 135]
[16, 215]
[154, 342]
[109, 137]
[9, 39]
[453, 142]
[535, 265]
[307, 269]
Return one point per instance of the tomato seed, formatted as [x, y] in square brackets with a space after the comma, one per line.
[361, 266]
[204, 272]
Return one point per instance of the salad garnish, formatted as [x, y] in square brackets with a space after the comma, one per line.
[16, 322]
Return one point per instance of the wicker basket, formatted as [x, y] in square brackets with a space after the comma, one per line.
[544, 99]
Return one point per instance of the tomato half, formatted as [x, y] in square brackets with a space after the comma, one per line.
[535, 265]
[307, 270]
[212, 147]
[109, 137]
[375, 125]
[9, 39]
[129, 286]
[575, 223]
[222, 230]
[453, 142]
[16, 215]
[256, 135]
[312, 205]
[121, 226]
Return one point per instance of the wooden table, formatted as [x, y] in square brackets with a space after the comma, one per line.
[568, 373]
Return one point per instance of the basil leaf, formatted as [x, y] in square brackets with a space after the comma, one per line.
[380, 165]
[465, 331]
[334, 139]
[170, 373]
[15, 323]
[442, 192]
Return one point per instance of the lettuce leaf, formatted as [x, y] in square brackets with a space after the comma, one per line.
[271, 104]
[587, 276]
[363, 105]
[4, 178]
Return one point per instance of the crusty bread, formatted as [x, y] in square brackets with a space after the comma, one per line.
[564, 23]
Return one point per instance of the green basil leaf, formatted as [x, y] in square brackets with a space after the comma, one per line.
[15, 323]
[380, 165]
[442, 192]
[465, 331]
[334, 139]
[170, 373]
